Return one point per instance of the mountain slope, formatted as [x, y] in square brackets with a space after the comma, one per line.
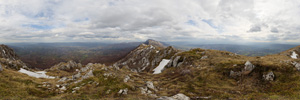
[292, 52]
[193, 74]
[8, 53]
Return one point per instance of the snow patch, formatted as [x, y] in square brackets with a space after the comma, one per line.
[152, 47]
[294, 55]
[157, 51]
[39, 74]
[3, 51]
[161, 66]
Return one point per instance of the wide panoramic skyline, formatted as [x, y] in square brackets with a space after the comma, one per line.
[216, 21]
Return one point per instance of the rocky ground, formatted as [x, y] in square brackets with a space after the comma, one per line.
[194, 74]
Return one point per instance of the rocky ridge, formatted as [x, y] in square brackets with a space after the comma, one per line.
[10, 58]
[146, 57]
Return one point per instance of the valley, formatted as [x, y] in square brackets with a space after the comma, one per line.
[45, 55]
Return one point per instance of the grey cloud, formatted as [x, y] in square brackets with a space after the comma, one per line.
[274, 30]
[291, 36]
[255, 29]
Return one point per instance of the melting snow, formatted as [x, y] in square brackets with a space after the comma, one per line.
[3, 51]
[39, 74]
[294, 55]
[161, 66]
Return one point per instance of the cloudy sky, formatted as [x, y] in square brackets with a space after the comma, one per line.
[275, 21]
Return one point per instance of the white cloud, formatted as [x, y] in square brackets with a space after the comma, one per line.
[135, 20]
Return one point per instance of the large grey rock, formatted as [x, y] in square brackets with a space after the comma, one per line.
[143, 90]
[248, 67]
[84, 69]
[126, 79]
[69, 66]
[76, 76]
[62, 89]
[269, 77]
[123, 91]
[175, 61]
[150, 85]
[89, 74]
[297, 65]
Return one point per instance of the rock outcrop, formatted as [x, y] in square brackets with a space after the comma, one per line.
[248, 67]
[297, 65]
[123, 91]
[269, 77]
[150, 85]
[145, 57]
[88, 74]
[69, 66]
[9, 57]
[126, 79]
[76, 76]
[175, 61]
[7, 53]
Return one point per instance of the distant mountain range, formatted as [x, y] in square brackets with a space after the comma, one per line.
[45, 55]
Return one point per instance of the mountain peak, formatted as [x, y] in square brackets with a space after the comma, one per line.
[154, 43]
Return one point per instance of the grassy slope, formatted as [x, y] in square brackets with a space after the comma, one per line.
[197, 78]
[15, 85]
[211, 77]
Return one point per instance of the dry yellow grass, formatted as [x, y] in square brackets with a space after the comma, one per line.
[196, 78]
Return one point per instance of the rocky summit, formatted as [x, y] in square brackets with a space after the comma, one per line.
[145, 58]
[153, 71]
